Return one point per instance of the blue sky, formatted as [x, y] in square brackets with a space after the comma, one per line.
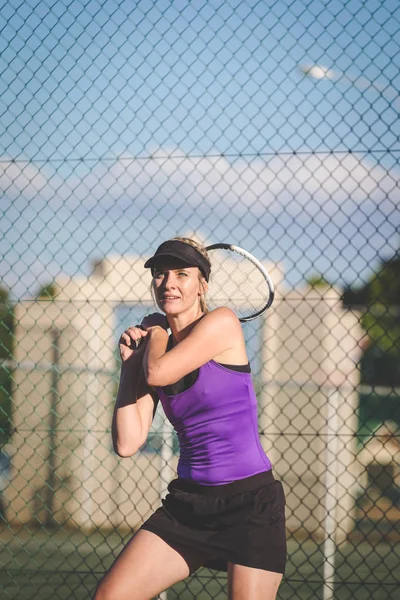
[123, 123]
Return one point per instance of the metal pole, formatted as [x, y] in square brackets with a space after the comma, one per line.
[166, 471]
[330, 503]
[89, 441]
[53, 422]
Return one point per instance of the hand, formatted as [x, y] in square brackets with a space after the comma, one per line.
[130, 341]
[155, 320]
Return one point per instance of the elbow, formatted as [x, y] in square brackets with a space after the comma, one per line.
[155, 378]
[124, 452]
[158, 381]
[158, 376]
[127, 450]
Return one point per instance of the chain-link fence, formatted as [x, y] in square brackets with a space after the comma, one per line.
[273, 125]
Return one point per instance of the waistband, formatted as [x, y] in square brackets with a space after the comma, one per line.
[228, 489]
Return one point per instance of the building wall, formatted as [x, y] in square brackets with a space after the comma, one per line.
[308, 405]
[64, 469]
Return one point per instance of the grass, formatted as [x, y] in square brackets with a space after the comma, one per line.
[55, 564]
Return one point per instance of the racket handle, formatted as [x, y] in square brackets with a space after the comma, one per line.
[134, 343]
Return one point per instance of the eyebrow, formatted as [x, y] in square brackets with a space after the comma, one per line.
[174, 270]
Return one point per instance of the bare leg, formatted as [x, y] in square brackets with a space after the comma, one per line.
[246, 583]
[146, 567]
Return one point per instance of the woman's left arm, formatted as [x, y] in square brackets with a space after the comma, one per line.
[218, 331]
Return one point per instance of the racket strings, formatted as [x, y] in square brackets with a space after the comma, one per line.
[236, 282]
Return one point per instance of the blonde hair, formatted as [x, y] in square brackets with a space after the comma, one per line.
[200, 248]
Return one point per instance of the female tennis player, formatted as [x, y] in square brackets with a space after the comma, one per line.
[225, 510]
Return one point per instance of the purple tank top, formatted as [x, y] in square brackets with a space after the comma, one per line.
[216, 424]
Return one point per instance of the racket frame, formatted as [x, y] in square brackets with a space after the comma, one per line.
[260, 267]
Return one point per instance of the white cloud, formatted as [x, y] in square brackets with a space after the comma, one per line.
[177, 179]
[330, 211]
[25, 179]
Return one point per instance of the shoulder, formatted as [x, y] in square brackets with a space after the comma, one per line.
[223, 315]
[221, 320]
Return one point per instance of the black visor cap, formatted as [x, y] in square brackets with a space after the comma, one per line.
[185, 252]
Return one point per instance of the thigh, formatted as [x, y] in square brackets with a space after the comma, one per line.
[146, 567]
[246, 583]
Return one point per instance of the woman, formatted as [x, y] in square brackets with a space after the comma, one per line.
[225, 510]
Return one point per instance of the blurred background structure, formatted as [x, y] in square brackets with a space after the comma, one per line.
[272, 125]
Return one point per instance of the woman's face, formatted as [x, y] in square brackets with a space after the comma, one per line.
[177, 287]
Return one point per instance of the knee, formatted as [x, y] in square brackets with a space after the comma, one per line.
[99, 595]
[104, 592]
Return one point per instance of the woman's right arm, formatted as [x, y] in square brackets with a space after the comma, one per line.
[135, 405]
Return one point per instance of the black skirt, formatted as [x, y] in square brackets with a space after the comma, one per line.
[241, 522]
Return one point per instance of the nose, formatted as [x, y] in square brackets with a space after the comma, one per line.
[169, 280]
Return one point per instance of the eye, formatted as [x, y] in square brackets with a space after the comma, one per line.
[182, 274]
[158, 274]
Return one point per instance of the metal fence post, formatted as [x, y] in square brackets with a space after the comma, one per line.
[330, 503]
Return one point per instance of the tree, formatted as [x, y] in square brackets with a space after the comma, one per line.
[47, 292]
[379, 301]
[318, 281]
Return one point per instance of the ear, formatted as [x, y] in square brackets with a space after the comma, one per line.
[203, 287]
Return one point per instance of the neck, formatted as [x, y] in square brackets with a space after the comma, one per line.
[182, 325]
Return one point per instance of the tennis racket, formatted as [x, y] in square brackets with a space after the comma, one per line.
[238, 280]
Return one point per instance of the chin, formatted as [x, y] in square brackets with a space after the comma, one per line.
[171, 312]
